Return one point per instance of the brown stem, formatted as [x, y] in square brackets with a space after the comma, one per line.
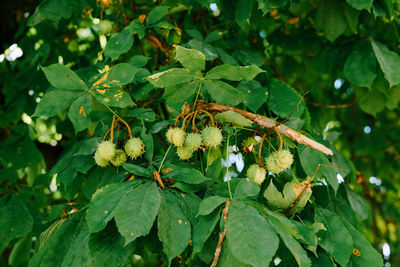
[184, 120]
[127, 127]
[209, 115]
[260, 163]
[178, 117]
[267, 123]
[221, 235]
[280, 138]
[346, 105]
[297, 106]
[112, 129]
[194, 129]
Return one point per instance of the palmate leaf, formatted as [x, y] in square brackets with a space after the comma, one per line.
[251, 238]
[137, 211]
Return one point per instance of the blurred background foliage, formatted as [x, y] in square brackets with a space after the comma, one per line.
[343, 56]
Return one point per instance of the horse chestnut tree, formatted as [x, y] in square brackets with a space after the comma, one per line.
[198, 133]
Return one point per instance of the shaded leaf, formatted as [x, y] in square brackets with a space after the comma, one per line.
[55, 101]
[173, 226]
[137, 211]
[251, 238]
[119, 44]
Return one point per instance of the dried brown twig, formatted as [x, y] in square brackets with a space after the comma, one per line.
[221, 235]
[265, 122]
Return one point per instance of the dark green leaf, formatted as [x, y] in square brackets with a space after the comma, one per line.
[187, 175]
[156, 14]
[251, 238]
[173, 227]
[223, 93]
[56, 101]
[368, 254]
[115, 97]
[283, 100]
[78, 253]
[336, 240]
[310, 159]
[290, 242]
[233, 73]
[203, 229]
[15, 221]
[209, 204]
[360, 4]
[246, 188]
[254, 94]
[62, 77]
[360, 66]
[171, 77]
[137, 211]
[119, 44]
[389, 62]
[148, 144]
[120, 74]
[103, 204]
[190, 58]
[137, 170]
[107, 247]
[79, 112]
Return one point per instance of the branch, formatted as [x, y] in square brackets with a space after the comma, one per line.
[221, 235]
[267, 123]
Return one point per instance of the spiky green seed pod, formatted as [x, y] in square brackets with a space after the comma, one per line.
[249, 144]
[106, 150]
[184, 153]
[119, 158]
[193, 141]
[256, 173]
[134, 147]
[279, 161]
[212, 136]
[176, 136]
[99, 160]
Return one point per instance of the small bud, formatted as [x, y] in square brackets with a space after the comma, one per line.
[184, 153]
[249, 144]
[256, 173]
[279, 161]
[119, 158]
[176, 136]
[134, 147]
[106, 150]
[212, 136]
[193, 141]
